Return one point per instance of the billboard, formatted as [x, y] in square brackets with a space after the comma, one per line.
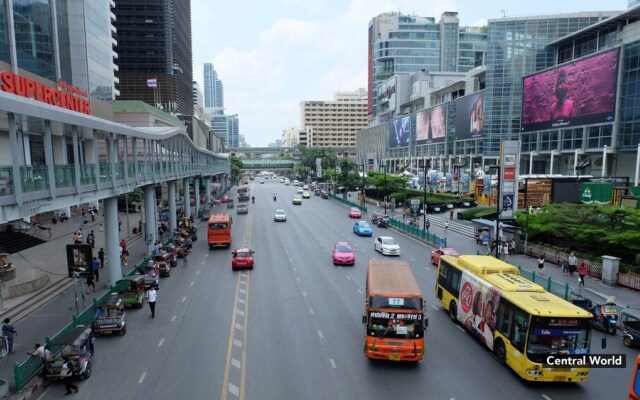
[470, 116]
[579, 93]
[431, 125]
[79, 259]
[399, 131]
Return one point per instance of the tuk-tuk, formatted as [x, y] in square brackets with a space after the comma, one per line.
[172, 255]
[229, 203]
[132, 289]
[162, 263]
[151, 275]
[109, 316]
[383, 222]
[606, 317]
[181, 247]
[630, 325]
[77, 345]
[376, 217]
[205, 213]
[483, 235]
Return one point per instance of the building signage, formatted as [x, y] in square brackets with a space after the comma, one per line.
[509, 159]
[509, 174]
[25, 87]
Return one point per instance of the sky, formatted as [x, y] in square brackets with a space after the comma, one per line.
[273, 54]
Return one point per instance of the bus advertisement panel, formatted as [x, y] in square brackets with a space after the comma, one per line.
[394, 317]
[518, 320]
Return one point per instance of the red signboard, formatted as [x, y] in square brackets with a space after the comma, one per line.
[509, 173]
[25, 87]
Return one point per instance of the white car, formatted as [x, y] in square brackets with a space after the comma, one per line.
[280, 216]
[387, 246]
[300, 191]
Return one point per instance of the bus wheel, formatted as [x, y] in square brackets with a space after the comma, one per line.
[500, 351]
[452, 311]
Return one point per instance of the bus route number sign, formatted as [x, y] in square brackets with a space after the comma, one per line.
[396, 301]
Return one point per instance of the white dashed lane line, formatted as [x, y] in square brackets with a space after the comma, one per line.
[161, 342]
[144, 374]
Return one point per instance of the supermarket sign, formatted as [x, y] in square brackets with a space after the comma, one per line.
[25, 87]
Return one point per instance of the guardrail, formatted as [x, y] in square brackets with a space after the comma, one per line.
[413, 230]
[349, 203]
[29, 368]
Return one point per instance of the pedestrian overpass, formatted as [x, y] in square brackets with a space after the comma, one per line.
[267, 164]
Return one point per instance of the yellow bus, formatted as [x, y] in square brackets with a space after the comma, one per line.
[634, 389]
[524, 325]
[394, 317]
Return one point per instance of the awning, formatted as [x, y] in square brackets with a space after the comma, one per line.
[492, 224]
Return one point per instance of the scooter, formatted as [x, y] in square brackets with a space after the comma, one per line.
[274, 197]
[253, 200]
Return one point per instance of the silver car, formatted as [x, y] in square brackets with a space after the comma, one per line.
[242, 209]
[279, 216]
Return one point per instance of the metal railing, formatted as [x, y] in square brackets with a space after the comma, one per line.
[415, 231]
[348, 202]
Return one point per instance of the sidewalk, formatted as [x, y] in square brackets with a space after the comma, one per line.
[594, 288]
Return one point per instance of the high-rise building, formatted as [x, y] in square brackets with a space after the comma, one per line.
[213, 89]
[233, 131]
[405, 43]
[219, 126]
[198, 102]
[335, 123]
[154, 42]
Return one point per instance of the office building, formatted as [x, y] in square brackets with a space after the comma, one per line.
[405, 43]
[213, 89]
[335, 123]
[154, 42]
[233, 131]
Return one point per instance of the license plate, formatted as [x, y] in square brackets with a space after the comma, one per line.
[560, 369]
[394, 357]
[559, 379]
[106, 331]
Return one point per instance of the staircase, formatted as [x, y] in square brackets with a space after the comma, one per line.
[13, 242]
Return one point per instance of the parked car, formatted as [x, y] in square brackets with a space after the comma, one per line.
[279, 216]
[242, 209]
[448, 251]
[242, 258]
[387, 246]
[354, 212]
[362, 228]
[343, 253]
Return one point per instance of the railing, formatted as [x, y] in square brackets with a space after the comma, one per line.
[34, 178]
[348, 202]
[629, 279]
[29, 368]
[6, 181]
[415, 231]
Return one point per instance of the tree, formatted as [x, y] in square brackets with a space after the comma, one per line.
[349, 176]
[236, 166]
[309, 156]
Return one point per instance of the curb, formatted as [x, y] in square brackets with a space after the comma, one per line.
[29, 390]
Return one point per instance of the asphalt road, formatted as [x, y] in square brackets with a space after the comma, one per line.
[291, 328]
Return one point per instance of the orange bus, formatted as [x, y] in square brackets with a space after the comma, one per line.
[394, 313]
[634, 390]
[219, 230]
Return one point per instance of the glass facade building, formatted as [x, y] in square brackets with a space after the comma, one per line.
[213, 89]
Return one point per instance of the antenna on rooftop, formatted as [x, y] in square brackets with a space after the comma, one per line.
[504, 12]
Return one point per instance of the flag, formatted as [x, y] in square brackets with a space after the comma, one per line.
[152, 82]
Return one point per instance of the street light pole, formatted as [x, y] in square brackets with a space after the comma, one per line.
[424, 198]
[385, 188]
[363, 183]
[497, 169]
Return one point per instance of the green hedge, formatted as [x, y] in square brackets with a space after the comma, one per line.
[477, 212]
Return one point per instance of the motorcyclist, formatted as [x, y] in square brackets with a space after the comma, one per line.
[253, 199]
[274, 197]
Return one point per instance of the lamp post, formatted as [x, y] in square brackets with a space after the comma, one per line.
[496, 168]
[424, 198]
[363, 183]
[385, 188]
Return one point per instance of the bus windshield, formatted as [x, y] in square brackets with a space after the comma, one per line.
[395, 326]
[549, 336]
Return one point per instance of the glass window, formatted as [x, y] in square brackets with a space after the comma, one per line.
[4, 36]
[32, 21]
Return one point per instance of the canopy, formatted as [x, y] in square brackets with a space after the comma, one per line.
[492, 224]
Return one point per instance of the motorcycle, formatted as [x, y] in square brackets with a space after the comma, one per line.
[253, 200]
[274, 197]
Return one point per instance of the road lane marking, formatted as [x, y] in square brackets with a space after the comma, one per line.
[241, 301]
[461, 328]
[333, 363]
[311, 311]
[184, 299]
[299, 280]
[233, 389]
[173, 318]
[161, 342]
[198, 272]
[144, 374]
[434, 307]
[348, 277]
[411, 259]
[239, 326]
[427, 268]
[545, 397]
[320, 335]
[236, 363]
[192, 283]
[237, 343]
[304, 294]
[240, 312]
[242, 291]
[359, 291]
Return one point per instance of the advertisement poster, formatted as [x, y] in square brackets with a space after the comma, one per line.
[477, 308]
[399, 131]
[79, 257]
[470, 116]
[431, 125]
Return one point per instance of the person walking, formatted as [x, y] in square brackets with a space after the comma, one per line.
[582, 273]
[573, 262]
[101, 257]
[505, 252]
[152, 296]
[446, 227]
[9, 331]
[89, 282]
[67, 374]
[541, 264]
[451, 215]
[427, 224]
[95, 268]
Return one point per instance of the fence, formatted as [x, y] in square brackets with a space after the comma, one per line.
[349, 203]
[415, 231]
[29, 368]
[559, 257]
[629, 279]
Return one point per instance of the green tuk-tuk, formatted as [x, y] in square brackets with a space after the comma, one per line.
[229, 203]
[132, 290]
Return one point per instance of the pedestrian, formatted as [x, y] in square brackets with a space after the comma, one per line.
[95, 268]
[152, 295]
[93, 215]
[427, 224]
[9, 331]
[512, 249]
[184, 256]
[573, 262]
[101, 257]
[119, 226]
[101, 228]
[446, 227]
[89, 282]
[67, 374]
[565, 268]
[505, 252]
[451, 215]
[582, 273]
[541, 264]
[139, 226]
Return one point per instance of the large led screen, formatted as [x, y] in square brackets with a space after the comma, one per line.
[399, 131]
[579, 93]
[470, 116]
[431, 125]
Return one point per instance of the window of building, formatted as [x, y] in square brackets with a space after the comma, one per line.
[529, 141]
[572, 139]
[549, 141]
[34, 46]
[599, 136]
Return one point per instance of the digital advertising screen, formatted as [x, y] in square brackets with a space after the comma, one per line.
[431, 125]
[579, 93]
[399, 131]
[470, 116]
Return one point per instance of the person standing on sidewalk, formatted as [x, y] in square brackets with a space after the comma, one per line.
[446, 227]
[541, 264]
[582, 273]
[573, 262]
[101, 257]
[9, 331]
[451, 215]
[505, 252]
[95, 268]
[152, 295]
